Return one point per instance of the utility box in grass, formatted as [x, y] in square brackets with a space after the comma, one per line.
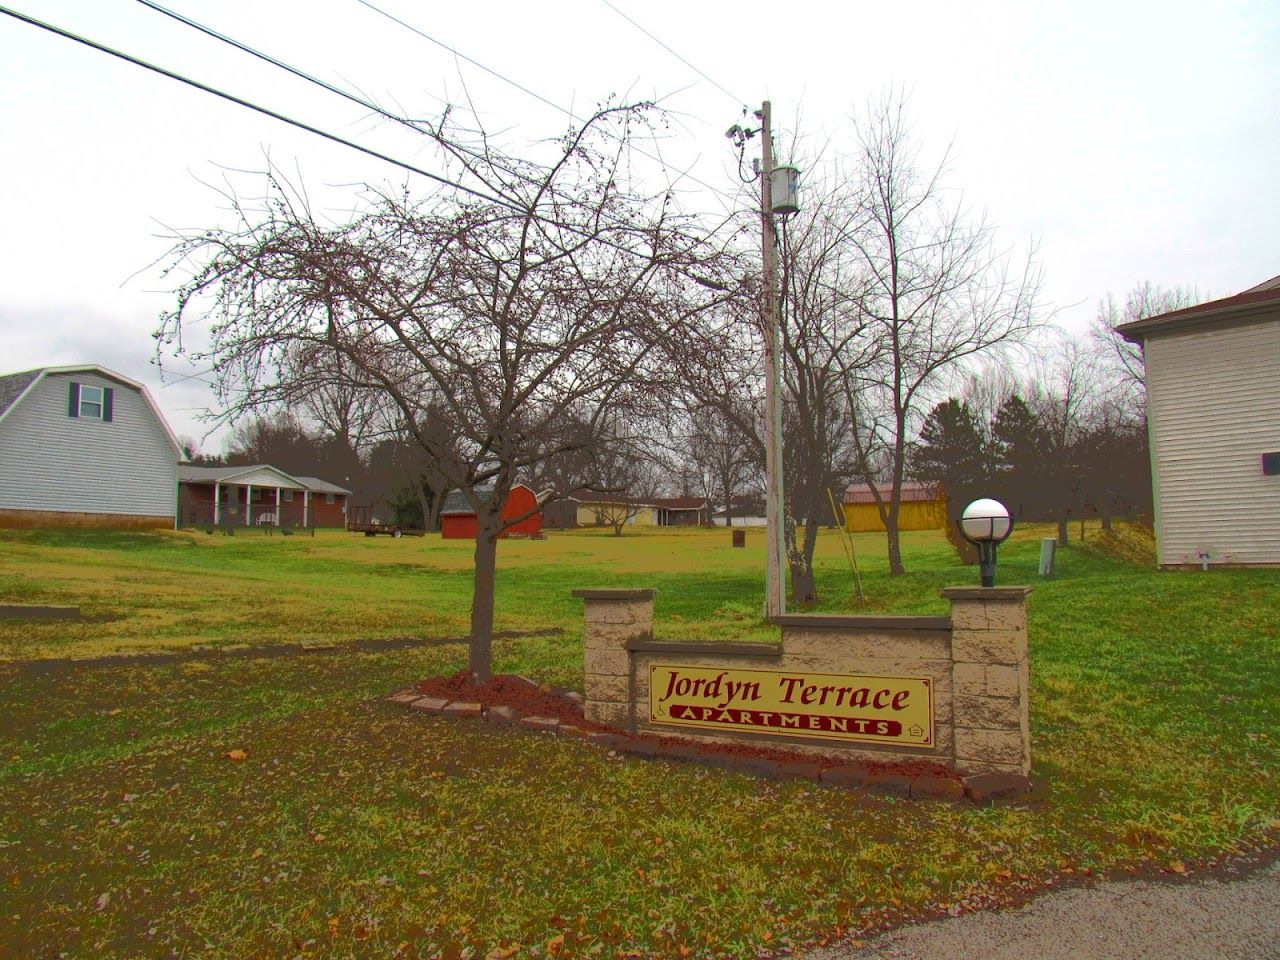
[1048, 550]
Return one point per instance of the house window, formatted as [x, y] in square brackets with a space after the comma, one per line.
[288, 496]
[90, 402]
[329, 498]
[1271, 464]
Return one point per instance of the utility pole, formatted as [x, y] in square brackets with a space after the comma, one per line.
[775, 565]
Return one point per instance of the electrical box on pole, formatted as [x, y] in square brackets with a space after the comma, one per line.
[785, 190]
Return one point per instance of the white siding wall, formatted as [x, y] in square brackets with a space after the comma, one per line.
[50, 461]
[1214, 405]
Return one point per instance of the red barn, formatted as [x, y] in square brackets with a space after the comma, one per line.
[458, 520]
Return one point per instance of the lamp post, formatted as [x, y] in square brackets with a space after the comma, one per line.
[986, 524]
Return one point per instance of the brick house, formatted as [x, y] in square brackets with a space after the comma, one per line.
[257, 495]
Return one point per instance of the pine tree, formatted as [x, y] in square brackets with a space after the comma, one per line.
[1021, 450]
[951, 449]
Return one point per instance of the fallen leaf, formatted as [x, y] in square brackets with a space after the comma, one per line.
[103, 900]
[1177, 866]
[503, 953]
[555, 944]
[235, 754]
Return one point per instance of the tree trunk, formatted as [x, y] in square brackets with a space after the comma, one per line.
[895, 544]
[1106, 522]
[424, 506]
[1062, 532]
[803, 588]
[431, 520]
[480, 659]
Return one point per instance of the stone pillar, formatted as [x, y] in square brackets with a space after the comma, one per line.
[613, 619]
[991, 679]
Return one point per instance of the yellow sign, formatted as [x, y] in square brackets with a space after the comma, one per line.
[794, 703]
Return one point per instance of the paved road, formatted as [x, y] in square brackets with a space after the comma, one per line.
[1234, 919]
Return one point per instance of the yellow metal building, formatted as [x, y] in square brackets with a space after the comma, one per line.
[923, 507]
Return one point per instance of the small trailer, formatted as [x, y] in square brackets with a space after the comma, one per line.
[361, 520]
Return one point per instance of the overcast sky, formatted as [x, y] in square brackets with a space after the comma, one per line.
[1130, 141]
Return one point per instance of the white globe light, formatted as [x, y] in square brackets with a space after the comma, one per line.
[986, 519]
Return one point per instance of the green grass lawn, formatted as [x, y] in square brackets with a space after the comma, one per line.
[355, 828]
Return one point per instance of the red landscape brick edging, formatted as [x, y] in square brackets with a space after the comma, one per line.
[519, 701]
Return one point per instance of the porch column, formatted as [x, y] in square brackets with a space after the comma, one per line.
[306, 503]
[278, 523]
[217, 503]
[248, 505]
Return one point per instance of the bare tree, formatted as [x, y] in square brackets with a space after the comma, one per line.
[1123, 360]
[623, 476]
[937, 292]
[825, 351]
[503, 324]
[725, 458]
[823, 345]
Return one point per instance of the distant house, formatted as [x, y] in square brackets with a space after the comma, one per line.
[603, 509]
[84, 446]
[1213, 416]
[681, 511]
[745, 512]
[458, 521]
[561, 514]
[922, 507]
[257, 495]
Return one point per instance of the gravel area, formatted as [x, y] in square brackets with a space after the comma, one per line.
[1217, 919]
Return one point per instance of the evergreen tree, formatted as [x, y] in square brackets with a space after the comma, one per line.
[951, 450]
[1021, 452]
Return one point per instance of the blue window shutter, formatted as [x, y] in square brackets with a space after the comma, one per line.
[107, 394]
[73, 405]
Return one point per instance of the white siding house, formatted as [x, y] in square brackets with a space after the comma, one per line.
[84, 446]
[1213, 411]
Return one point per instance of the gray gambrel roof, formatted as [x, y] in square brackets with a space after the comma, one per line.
[457, 503]
[12, 385]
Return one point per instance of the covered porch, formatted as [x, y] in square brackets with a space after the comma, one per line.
[254, 496]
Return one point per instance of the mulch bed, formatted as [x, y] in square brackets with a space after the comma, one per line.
[530, 700]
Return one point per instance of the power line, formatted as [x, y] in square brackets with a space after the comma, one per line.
[302, 74]
[737, 100]
[346, 95]
[516, 208]
[523, 89]
[265, 111]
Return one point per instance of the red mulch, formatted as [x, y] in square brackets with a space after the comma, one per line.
[508, 691]
[511, 691]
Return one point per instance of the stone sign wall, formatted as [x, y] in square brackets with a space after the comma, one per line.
[850, 685]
